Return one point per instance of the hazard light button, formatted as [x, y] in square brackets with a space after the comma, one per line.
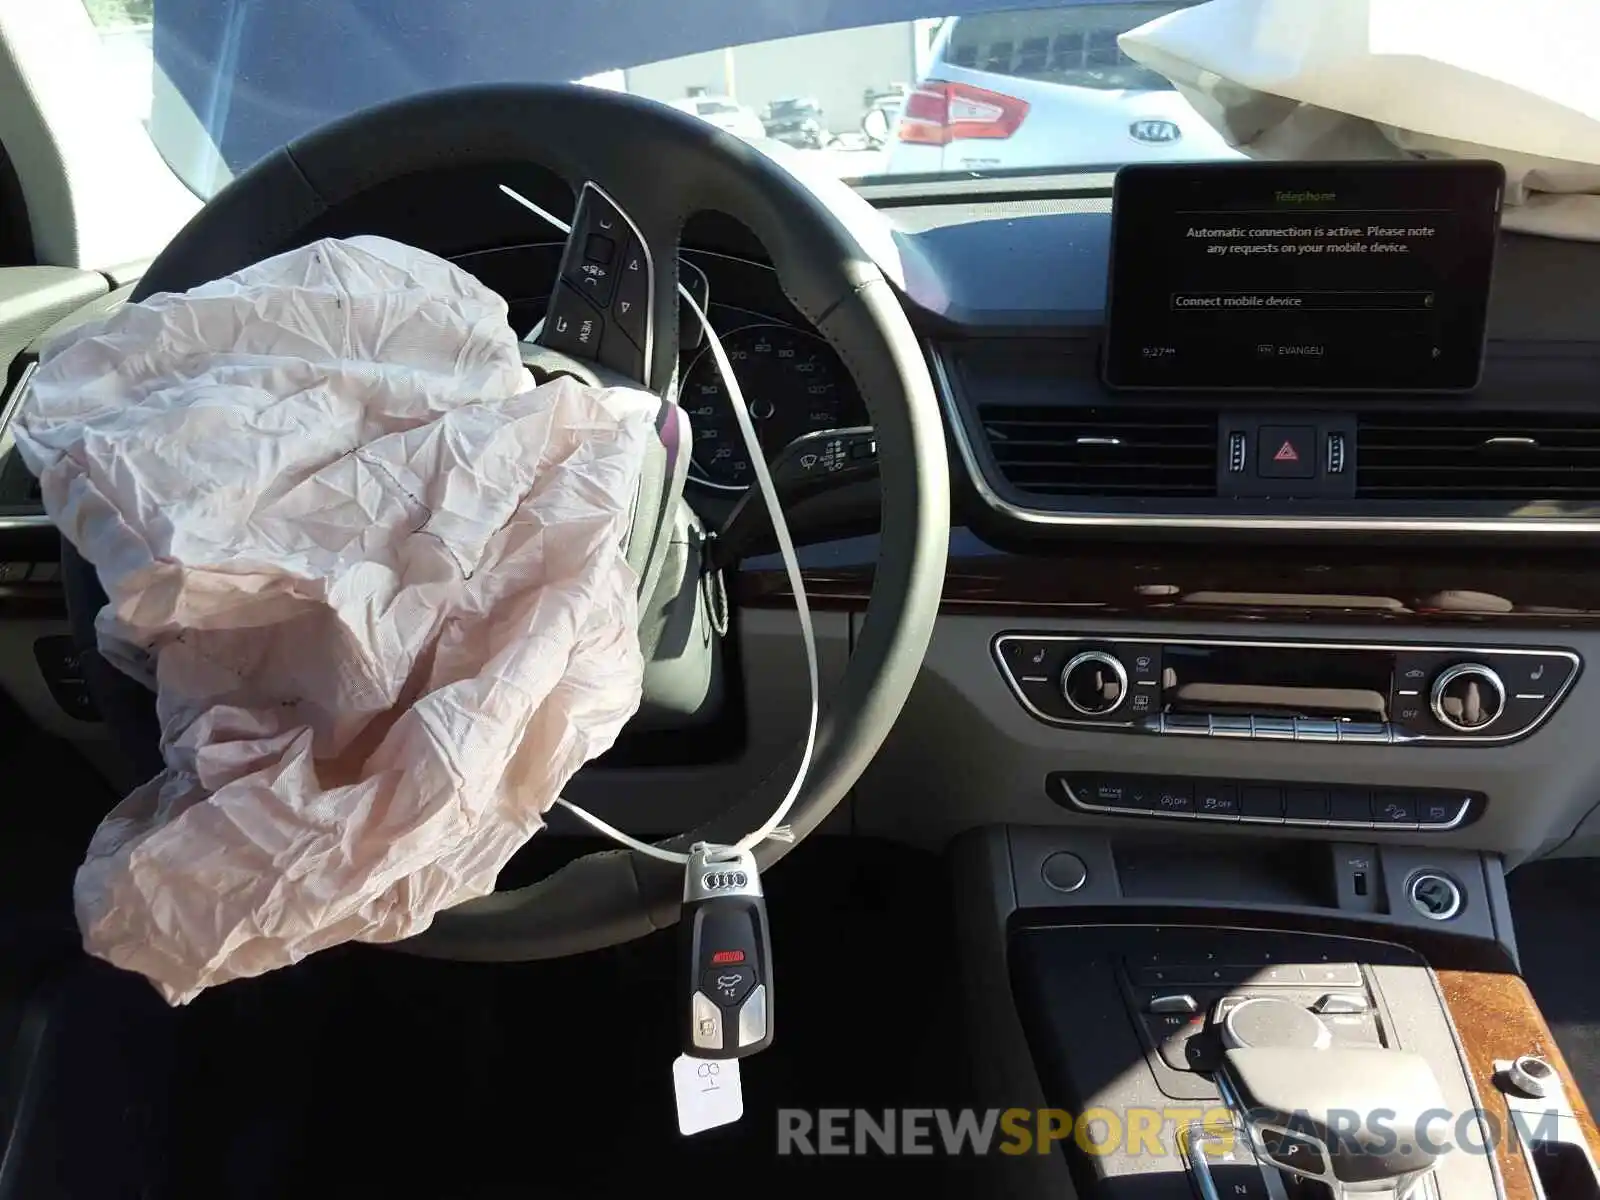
[1286, 452]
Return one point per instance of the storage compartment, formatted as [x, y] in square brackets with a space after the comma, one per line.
[1564, 1171]
[1244, 871]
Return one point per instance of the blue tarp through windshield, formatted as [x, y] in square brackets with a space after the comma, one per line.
[258, 73]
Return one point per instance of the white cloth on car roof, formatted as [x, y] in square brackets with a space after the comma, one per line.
[376, 577]
[1509, 80]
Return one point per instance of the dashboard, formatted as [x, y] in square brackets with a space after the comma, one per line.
[1461, 528]
[791, 379]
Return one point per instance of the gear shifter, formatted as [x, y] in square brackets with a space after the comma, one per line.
[1354, 1118]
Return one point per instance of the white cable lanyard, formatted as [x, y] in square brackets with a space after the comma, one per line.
[773, 826]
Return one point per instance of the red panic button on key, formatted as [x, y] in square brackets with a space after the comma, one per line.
[727, 956]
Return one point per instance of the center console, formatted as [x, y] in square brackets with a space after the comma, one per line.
[1297, 1053]
[1260, 657]
[1232, 1022]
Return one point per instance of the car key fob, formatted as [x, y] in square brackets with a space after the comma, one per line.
[727, 955]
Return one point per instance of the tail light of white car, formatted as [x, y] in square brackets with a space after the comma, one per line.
[938, 113]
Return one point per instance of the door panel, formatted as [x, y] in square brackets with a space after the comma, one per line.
[35, 301]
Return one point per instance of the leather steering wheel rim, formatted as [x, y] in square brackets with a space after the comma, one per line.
[660, 166]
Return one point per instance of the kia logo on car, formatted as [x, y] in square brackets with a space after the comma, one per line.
[1154, 131]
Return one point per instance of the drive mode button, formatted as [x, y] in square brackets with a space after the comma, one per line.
[1117, 791]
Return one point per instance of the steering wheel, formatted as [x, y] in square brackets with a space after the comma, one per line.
[659, 167]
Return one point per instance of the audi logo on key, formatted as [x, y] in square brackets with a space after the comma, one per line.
[717, 881]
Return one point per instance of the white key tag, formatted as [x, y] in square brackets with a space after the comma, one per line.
[708, 1091]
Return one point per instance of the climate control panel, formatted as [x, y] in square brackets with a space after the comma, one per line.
[1361, 693]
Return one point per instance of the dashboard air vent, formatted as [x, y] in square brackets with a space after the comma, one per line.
[1455, 455]
[1063, 450]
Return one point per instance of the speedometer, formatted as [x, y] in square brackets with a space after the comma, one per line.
[793, 384]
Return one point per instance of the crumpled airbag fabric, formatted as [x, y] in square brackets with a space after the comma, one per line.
[376, 577]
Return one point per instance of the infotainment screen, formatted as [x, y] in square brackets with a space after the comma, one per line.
[1321, 277]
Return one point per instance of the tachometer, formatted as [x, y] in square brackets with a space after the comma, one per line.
[793, 383]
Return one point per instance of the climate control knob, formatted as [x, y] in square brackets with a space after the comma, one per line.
[1094, 683]
[1468, 697]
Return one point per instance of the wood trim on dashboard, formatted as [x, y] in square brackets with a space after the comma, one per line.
[1496, 1018]
[1299, 584]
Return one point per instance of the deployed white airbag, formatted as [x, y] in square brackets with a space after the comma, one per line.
[1510, 80]
[377, 578]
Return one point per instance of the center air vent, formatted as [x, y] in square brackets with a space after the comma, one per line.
[1061, 450]
[1463, 456]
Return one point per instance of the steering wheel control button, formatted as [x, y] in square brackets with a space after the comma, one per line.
[728, 985]
[1435, 896]
[1468, 697]
[707, 1019]
[1065, 872]
[595, 280]
[573, 326]
[606, 265]
[1094, 683]
[589, 263]
[632, 307]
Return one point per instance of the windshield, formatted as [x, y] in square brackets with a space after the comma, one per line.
[986, 89]
[1072, 46]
